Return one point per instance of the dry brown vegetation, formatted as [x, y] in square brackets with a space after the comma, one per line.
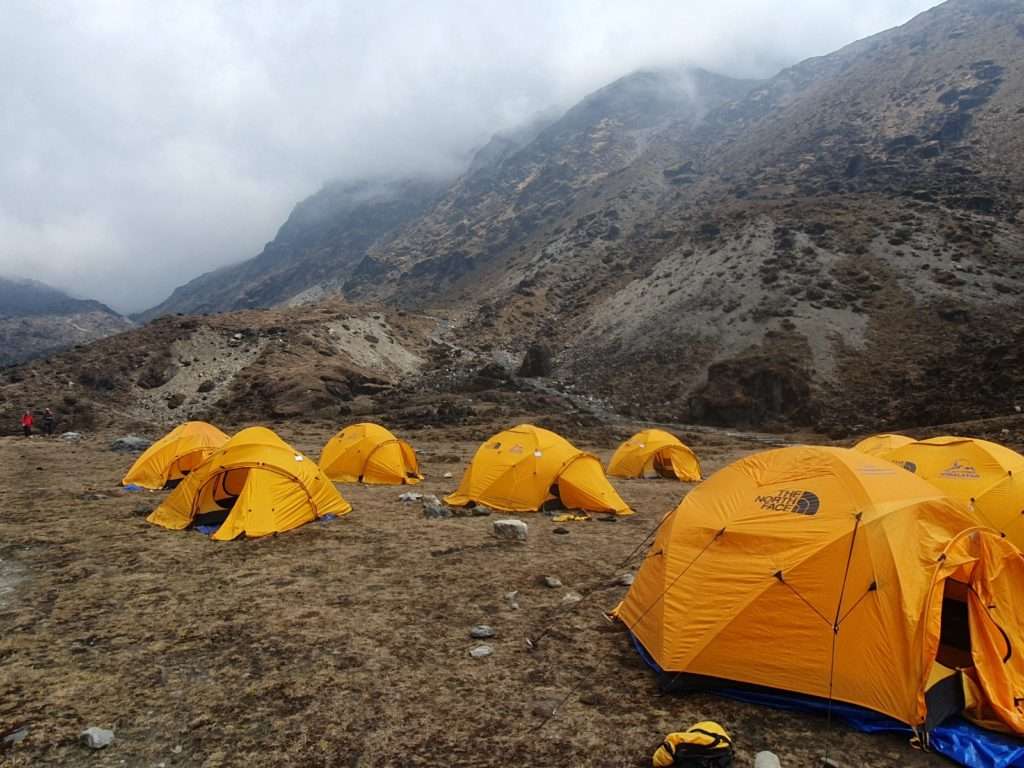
[344, 643]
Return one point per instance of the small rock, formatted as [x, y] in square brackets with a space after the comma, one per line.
[482, 632]
[71, 437]
[510, 528]
[481, 651]
[571, 598]
[552, 581]
[766, 760]
[546, 708]
[433, 509]
[447, 475]
[625, 579]
[14, 736]
[96, 738]
[512, 598]
[177, 749]
[237, 337]
[560, 530]
[130, 444]
[410, 496]
[480, 511]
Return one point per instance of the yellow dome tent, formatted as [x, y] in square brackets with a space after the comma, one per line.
[256, 484]
[520, 469]
[655, 450]
[829, 573]
[975, 471]
[368, 453]
[880, 445]
[174, 455]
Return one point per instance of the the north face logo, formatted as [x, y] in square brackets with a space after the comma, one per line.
[958, 471]
[801, 502]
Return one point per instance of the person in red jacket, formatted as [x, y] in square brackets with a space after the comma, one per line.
[26, 423]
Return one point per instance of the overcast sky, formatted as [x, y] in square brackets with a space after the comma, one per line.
[143, 143]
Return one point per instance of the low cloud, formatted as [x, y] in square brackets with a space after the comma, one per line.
[145, 143]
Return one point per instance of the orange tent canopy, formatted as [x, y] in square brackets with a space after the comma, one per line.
[827, 572]
[255, 485]
[369, 453]
[175, 455]
[654, 450]
[880, 445]
[520, 469]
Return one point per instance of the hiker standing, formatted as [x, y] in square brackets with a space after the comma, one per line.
[26, 423]
[48, 422]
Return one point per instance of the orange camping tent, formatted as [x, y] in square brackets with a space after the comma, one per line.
[256, 485]
[369, 453]
[521, 469]
[175, 455]
[657, 451]
[830, 573]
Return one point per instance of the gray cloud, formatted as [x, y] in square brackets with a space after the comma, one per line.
[144, 143]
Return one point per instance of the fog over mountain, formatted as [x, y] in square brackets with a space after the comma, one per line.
[146, 144]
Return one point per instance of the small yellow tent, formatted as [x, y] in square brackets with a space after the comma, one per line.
[256, 484]
[368, 453]
[175, 455]
[830, 573]
[520, 469]
[655, 450]
[880, 445]
[979, 472]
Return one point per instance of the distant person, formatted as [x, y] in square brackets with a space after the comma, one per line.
[26, 423]
[48, 422]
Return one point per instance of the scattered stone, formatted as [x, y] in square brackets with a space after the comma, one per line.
[592, 699]
[560, 530]
[142, 510]
[482, 632]
[626, 579]
[410, 496]
[480, 511]
[510, 528]
[433, 509]
[546, 708]
[536, 362]
[512, 598]
[130, 443]
[481, 651]
[96, 738]
[766, 760]
[14, 736]
[552, 581]
[71, 437]
[447, 475]
[571, 598]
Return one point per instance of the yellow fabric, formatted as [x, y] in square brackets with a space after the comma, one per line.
[570, 518]
[975, 471]
[273, 489]
[746, 577]
[517, 471]
[657, 450]
[702, 734]
[175, 455]
[880, 445]
[369, 453]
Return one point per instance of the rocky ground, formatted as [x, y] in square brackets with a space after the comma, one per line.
[348, 642]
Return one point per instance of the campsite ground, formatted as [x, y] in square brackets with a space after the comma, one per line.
[344, 643]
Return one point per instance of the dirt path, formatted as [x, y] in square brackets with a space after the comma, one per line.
[339, 644]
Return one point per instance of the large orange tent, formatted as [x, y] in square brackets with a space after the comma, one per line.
[880, 445]
[175, 455]
[830, 573]
[369, 453]
[978, 472]
[255, 485]
[521, 469]
[655, 451]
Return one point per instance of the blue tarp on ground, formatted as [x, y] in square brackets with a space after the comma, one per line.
[957, 739]
[209, 530]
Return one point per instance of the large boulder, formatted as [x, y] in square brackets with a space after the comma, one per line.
[130, 444]
[536, 362]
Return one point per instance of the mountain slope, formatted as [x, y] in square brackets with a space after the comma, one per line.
[36, 320]
[838, 245]
[324, 237]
